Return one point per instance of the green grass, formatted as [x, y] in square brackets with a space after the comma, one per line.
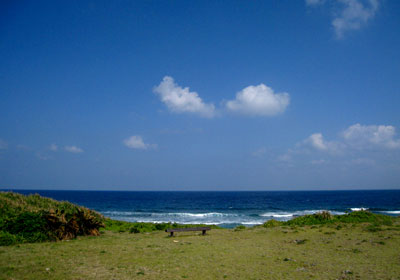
[358, 245]
[353, 252]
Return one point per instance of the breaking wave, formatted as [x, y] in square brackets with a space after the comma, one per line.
[228, 219]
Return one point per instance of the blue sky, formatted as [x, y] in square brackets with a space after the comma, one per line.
[200, 95]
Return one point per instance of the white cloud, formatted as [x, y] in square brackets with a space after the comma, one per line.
[3, 144]
[318, 142]
[357, 137]
[136, 142]
[354, 15]
[73, 149]
[53, 147]
[259, 101]
[364, 136]
[181, 100]
[350, 15]
[314, 2]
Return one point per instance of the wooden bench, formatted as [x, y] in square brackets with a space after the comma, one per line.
[202, 229]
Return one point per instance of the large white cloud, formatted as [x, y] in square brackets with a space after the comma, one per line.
[259, 101]
[136, 142]
[73, 149]
[354, 15]
[364, 136]
[181, 100]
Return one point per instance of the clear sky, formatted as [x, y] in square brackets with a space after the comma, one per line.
[200, 95]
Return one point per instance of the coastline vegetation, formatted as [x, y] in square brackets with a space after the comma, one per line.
[357, 245]
[325, 218]
[32, 218]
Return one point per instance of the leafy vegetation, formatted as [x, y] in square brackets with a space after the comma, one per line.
[325, 217]
[34, 218]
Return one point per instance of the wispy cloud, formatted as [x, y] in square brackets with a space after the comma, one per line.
[259, 100]
[354, 15]
[136, 142]
[349, 14]
[182, 100]
[73, 149]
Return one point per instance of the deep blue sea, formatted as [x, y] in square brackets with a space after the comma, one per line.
[227, 209]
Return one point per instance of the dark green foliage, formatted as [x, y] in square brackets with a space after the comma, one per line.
[7, 238]
[318, 218]
[28, 226]
[365, 217]
[324, 218]
[34, 218]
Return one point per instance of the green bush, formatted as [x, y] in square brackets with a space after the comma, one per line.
[325, 217]
[272, 223]
[365, 217]
[7, 238]
[34, 218]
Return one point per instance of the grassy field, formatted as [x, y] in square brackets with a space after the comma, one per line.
[317, 252]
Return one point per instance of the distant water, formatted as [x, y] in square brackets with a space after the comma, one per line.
[227, 209]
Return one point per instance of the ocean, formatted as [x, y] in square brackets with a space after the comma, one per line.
[226, 209]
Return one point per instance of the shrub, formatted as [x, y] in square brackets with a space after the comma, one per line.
[323, 217]
[272, 223]
[365, 217]
[34, 218]
[7, 238]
